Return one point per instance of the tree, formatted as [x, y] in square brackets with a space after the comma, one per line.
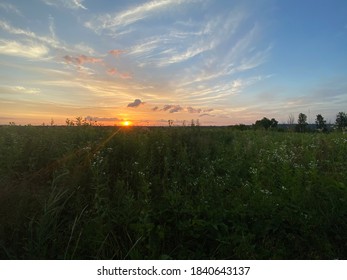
[69, 122]
[78, 121]
[302, 123]
[291, 119]
[321, 123]
[341, 120]
[274, 123]
[266, 123]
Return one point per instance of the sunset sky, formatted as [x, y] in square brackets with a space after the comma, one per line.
[222, 62]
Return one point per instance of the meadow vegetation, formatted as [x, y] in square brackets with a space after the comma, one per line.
[171, 193]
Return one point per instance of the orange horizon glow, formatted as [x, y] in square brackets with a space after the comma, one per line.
[126, 123]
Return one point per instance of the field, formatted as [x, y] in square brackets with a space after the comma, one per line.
[171, 193]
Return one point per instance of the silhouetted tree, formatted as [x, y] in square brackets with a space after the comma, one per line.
[321, 123]
[78, 121]
[291, 119]
[302, 123]
[341, 120]
[266, 123]
[274, 123]
[69, 122]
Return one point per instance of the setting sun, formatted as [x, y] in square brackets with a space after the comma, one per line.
[126, 123]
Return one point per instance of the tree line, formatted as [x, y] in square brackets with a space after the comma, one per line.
[302, 125]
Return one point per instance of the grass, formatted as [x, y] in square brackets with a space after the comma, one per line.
[171, 193]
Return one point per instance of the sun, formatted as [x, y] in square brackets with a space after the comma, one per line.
[126, 123]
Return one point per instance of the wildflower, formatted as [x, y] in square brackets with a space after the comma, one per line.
[267, 192]
[253, 170]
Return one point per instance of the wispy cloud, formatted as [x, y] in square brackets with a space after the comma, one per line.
[178, 108]
[118, 21]
[51, 26]
[112, 71]
[26, 90]
[81, 59]
[50, 41]
[206, 115]
[26, 50]
[100, 119]
[116, 52]
[185, 42]
[69, 4]
[125, 76]
[10, 8]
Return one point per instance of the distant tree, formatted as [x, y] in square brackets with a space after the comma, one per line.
[341, 120]
[274, 123]
[266, 123]
[321, 123]
[69, 122]
[302, 123]
[78, 121]
[240, 126]
[192, 123]
[197, 123]
[170, 122]
[291, 119]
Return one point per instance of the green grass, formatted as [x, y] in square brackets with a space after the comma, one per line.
[171, 193]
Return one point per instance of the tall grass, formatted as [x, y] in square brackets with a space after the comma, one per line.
[171, 193]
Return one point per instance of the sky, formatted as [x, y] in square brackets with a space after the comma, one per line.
[221, 62]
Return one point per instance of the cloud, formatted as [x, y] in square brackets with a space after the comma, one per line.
[29, 50]
[10, 8]
[21, 89]
[112, 71]
[116, 52]
[125, 76]
[179, 108]
[191, 52]
[132, 15]
[69, 4]
[167, 107]
[100, 119]
[50, 41]
[81, 59]
[136, 103]
[172, 108]
[17, 31]
[51, 26]
[193, 111]
[206, 115]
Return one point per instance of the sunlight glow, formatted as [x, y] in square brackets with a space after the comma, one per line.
[126, 123]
